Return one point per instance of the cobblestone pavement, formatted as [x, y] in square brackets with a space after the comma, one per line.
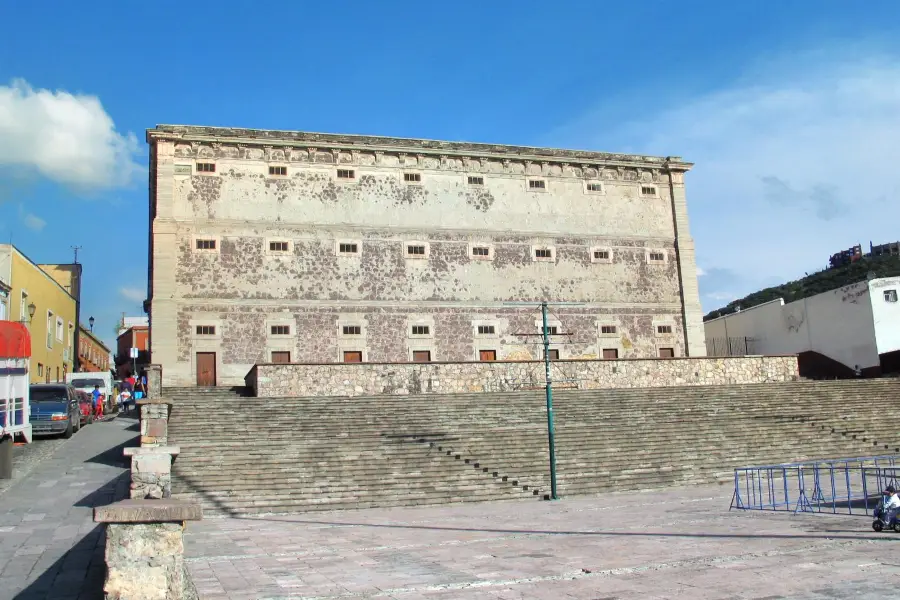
[672, 544]
[50, 547]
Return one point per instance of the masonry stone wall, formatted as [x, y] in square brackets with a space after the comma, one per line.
[247, 258]
[300, 380]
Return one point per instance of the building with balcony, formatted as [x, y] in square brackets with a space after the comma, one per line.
[34, 297]
[93, 355]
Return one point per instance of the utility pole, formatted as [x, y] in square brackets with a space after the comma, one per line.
[76, 284]
[550, 433]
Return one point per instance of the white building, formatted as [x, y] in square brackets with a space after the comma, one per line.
[855, 325]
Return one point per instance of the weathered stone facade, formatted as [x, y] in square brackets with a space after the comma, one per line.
[312, 246]
[274, 381]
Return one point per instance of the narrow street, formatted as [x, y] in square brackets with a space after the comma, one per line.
[49, 544]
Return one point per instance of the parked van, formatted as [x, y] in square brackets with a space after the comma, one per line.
[86, 382]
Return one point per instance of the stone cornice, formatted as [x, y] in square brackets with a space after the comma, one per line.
[327, 142]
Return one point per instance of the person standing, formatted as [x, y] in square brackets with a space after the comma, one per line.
[139, 388]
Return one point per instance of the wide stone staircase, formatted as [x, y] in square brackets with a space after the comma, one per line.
[243, 455]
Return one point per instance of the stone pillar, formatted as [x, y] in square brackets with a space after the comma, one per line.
[145, 549]
[154, 382]
[155, 421]
[692, 312]
[151, 471]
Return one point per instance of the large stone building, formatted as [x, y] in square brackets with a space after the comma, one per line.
[271, 246]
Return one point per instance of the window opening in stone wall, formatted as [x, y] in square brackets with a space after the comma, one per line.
[663, 329]
[890, 295]
[348, 248]
[352, 356]
[206, 167]
[595, 187]
[420, 329]
[481, 251]
[206, 244]
[608, 329]
[279, 246]
[277, 170]
[281, 357]
[550, 330]
[421, 356]
[610, 353]
[648, 190]
[280, 330]
[346, 174]
[206, 330]
[537, 184]
[486, 330]
[667, 353]
[487, 355]
[543, 253]
[553, 354]
[415, 250]
[657, 257]
[601, 254]
[475, 180]
[352, 330]
[412, 177]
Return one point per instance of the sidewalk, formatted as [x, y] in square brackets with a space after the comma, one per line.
[50, 547]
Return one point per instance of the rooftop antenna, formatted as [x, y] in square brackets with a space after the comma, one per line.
[76, 249]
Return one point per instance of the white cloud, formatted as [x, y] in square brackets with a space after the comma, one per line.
[67, 138]
[790, 168]
[700, 272]
[133, 293]
[31, 221]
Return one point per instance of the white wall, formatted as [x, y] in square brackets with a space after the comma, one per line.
[838, 323]
[886, 314]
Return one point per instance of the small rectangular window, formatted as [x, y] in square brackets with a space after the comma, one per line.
[352, 330]
[281, 357]
[480, 251]
[657, 257]
[601, 254]
[648, 190]
[206, 167]
[475, 180]
[412, 177]
[667, 353]
[486, 330]
[273, 170]
[487, 355]
[553, 354]
[352, 356]
[594, 187]
[610, 353]
[280, 329]
[420, 329]
[537, 184]
[346, 174]
[206, 244]
[663, 329]
[890, 295]
[279, 246]
[550, 330]
[415, 250]
[348, 248]
[608, 329]
[422, 356]
[543, 253]
[206, 330]
[40, 370]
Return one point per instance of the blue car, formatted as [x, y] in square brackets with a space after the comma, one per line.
[54, 410]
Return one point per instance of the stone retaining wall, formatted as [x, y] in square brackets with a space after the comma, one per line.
[365, 379]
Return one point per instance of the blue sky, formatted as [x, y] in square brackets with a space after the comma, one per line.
[790, 110]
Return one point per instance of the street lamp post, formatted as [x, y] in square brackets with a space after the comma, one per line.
[91, 322]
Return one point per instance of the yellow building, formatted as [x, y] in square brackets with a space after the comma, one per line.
[35, 298]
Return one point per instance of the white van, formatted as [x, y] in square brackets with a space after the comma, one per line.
[85, 382]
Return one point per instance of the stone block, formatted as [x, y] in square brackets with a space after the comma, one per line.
[157, 427]
[148, 511]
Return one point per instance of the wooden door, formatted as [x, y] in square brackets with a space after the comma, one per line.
[421, 356]
[487, 355]
[206, 369]
[353, 356]
[281, 357]
[554, 354]
[667, 353]
[610, 353]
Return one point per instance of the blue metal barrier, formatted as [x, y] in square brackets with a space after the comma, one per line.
[833, 485]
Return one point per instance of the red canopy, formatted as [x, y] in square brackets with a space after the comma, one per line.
[15, 341]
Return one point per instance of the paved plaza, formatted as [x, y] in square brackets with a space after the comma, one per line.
[673, 544]
[50, 547]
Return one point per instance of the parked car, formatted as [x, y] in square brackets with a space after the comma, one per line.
[87, 407]
[54, 409]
